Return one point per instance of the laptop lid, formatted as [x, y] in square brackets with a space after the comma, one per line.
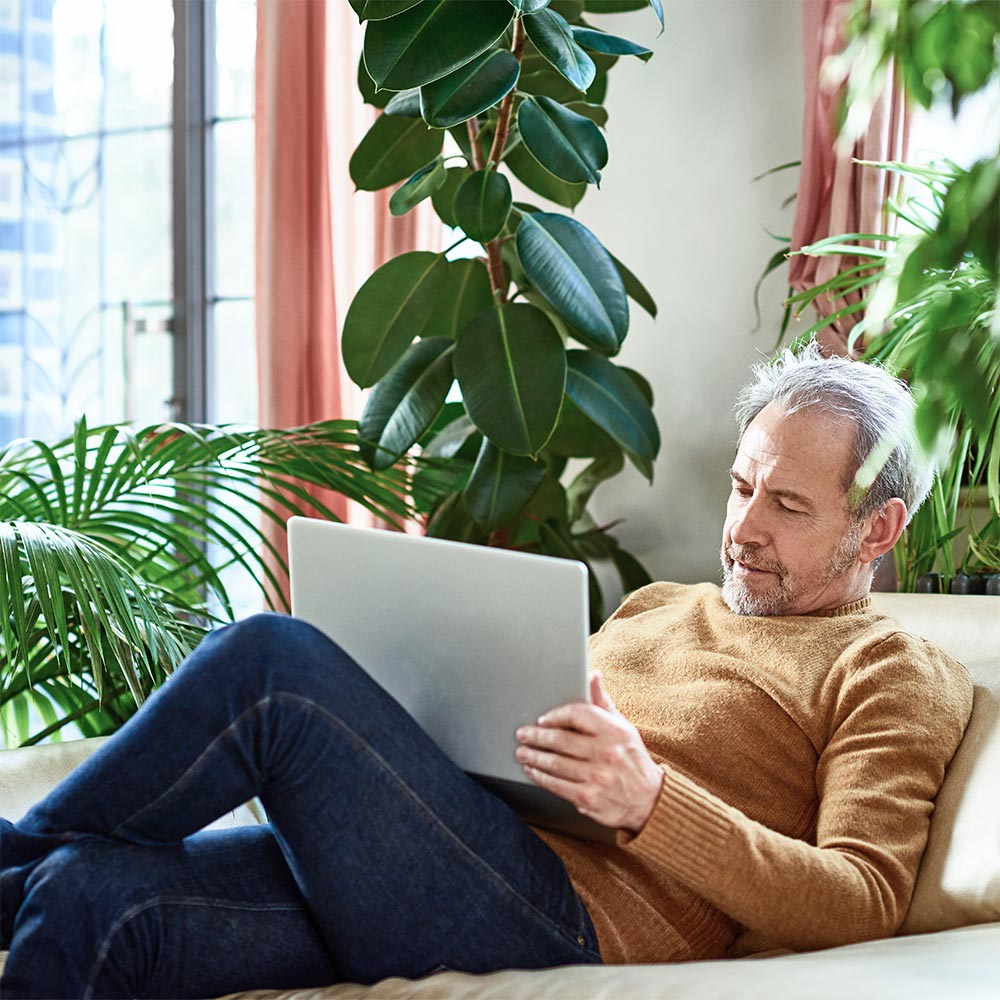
[472, 641]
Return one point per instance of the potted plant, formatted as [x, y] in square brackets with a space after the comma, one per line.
[474, 94]
[113, 543]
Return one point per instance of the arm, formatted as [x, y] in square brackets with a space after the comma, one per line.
[895, 722]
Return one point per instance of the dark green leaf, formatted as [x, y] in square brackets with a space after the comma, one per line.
[366, 87]
[443, 198]
[597, 114]
[578, 277]
[404, 403]
[600, 41]
[613, 6]
[470, 90]
[431, 40]
[552, 36]
[482, 205]
[452, 520]
[392, 149]
[529, 6]
[378, 10]
[421, 185]
[657, 6]
[500, 486]
[631, 572]
[582, 488]
[568, 9]
[466, 292]
[533, 175]
[567, 144]
[511, 366]
[451, 438]
[598, 90]
[612, 400]
[405, 104]
[548, 83]
[635, 289]
[577, 436]
[390, 310]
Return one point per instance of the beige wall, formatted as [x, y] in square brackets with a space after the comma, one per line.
[719, 103]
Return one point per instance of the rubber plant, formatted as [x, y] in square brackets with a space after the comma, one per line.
[475, 94]
[113, 544]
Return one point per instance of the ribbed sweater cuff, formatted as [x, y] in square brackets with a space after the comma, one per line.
[686, 832]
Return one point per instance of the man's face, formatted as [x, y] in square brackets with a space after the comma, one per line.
[790, 544]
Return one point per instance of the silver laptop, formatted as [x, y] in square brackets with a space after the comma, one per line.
[472, 641]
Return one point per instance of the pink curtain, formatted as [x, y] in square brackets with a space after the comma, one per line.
[836, 195]
[317, 240]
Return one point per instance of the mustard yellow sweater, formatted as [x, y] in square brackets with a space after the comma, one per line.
[801, 757]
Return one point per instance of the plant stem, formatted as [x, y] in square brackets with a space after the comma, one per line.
[494, 262]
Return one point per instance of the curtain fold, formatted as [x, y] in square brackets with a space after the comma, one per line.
[837, 195]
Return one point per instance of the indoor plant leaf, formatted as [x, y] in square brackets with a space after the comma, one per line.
[613, 6]
[635, 289]
[581, 489]
[529, 6]
[613, 401]
[470, 89]
[404, 403]
[657, 6]
[366, 87]
[421, 185]
[431, 40]
[577, 276]
[482, 205]
[548, 83]
[392, 149]
[601, 41]
[377, 10]
[552, 36]
[567, 144]
[500, 485]
[533, 175]
[466, 292]
[577, 436]
[443, 199]
[511, 367]
[389, 311]
[405, 104]
[597, 114]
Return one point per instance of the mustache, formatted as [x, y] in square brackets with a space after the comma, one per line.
[747, 555]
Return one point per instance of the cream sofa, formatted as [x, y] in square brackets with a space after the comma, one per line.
[949, 945]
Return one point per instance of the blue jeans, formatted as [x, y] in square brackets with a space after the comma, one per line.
[381, 856]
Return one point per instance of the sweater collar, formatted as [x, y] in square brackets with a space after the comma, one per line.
[854, 608]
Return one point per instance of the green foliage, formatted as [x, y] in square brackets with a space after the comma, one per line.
[519, 85]
[106, 578]
[938, 329]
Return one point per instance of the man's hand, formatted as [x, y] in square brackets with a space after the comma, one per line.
[592, 756]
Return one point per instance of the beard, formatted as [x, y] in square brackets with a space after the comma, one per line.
[787, 587]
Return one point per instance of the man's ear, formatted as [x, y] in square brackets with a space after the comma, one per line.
[882, 530]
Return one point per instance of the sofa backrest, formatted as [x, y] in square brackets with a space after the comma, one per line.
[959, 879]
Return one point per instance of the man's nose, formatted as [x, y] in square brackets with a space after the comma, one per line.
[748, 526]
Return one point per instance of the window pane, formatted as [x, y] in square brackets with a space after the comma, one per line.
[234, 368]
[234, 208]
[235, 41]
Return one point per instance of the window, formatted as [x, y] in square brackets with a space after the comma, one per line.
[126, 212]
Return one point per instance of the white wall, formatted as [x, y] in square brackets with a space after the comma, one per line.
[719, 103]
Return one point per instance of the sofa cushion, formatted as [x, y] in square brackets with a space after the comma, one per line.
[959, 879]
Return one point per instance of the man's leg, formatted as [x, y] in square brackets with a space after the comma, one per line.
[405, 863]
[216, 913]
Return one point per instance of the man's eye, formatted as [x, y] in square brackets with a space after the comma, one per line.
[791, 510]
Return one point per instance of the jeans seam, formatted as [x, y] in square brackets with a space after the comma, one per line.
[139, 908]
[339, 724]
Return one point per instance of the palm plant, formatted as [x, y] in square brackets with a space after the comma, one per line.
[113, 544]
[935, 326]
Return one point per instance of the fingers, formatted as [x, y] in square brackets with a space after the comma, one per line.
[598, 695]
[577, 715]
[562, 741]
[569, 769]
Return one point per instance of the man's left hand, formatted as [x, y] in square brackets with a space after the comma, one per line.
[592, 756]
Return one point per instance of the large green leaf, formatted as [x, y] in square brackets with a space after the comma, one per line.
[533, 175]
[511, 366]
[529, 6]
[567, 144]
[377, 10]
[482, 205]
[405, 104]
[500, 486]
[613, 6]
[577, 276]
[390, 310]
[420, 186]
[614, 402]
[548, 83]
[601, 41]
[470, 90]
[405, 401]
[577, 436]
[552, 36]
[579, 492]
[635, 289]
[466, 293]
[393, 149]
[431, 40]
[443, 198]
[366, 87]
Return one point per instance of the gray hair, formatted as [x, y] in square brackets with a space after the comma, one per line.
[887, 461]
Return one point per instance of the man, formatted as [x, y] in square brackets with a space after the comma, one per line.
[771, 764]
